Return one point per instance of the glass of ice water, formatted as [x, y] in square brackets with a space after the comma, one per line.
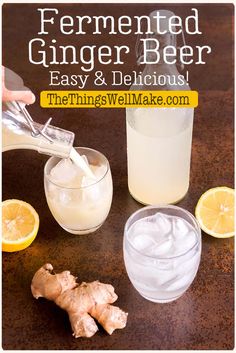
[80, 204]
[162, 250]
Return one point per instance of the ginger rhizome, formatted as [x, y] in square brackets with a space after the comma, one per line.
[82, 302]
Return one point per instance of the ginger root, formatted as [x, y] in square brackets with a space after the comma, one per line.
[82, 302]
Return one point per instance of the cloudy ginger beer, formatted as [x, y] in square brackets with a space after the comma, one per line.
[159, 139]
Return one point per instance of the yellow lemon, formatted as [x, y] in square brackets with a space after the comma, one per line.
[20, 224]
[215, 212]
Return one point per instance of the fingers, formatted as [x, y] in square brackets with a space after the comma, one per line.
[11, 80]
[26, 97]
[13, 88]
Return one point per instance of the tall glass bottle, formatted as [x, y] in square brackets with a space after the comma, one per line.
[159, 139]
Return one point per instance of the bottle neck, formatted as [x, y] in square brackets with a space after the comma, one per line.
[161, 68]
[155, 45]
[17, 135]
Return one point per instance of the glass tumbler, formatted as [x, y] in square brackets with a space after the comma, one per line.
[162, 250]
[80, 210]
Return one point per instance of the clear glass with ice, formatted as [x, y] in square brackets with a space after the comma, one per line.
[79, 203]
[162, 250]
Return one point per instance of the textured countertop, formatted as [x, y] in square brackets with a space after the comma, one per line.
[203, 318]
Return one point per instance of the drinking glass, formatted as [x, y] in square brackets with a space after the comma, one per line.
[80, 210]
[162, 277]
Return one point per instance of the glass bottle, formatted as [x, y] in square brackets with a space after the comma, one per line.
[19, 131]
[159, 139]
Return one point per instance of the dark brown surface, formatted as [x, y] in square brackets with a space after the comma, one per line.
[203, 317]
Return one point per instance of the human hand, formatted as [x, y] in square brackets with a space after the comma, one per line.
[13, 88]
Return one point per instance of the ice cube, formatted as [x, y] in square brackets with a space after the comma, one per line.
[143, 243]
[146, 274]
[158, 226]
[87, 181]
[180, 283]
[143, 227]
[163, 222]
[64, 197]
[52, 190]
[140, 285]
[92, 191]
[189, 266]
[185, 243]
[161, 277]
[95, 188]
[180, 227]
[169, 280]
[63, 172]
[99, 171]
[163, 249]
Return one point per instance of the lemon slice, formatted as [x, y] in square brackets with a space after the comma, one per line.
[20, 224]
[215, 212]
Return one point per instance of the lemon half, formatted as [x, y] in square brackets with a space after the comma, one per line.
[215, 212]
[20, 224]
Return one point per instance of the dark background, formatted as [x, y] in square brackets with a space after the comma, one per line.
[21, 23]
[203, 317]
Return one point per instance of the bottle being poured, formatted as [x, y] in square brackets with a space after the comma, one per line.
[20, 131]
